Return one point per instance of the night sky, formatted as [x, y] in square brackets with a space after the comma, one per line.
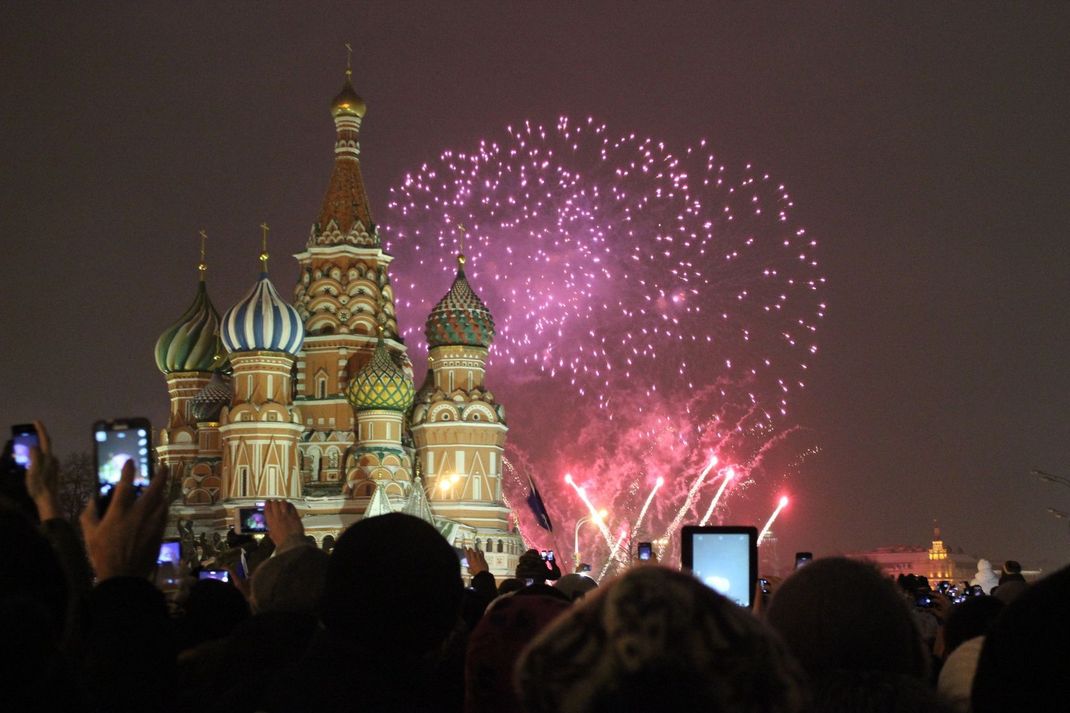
[925, 147]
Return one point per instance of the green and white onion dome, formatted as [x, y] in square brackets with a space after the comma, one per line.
[381, 384]
[192, 343]
[263, 321]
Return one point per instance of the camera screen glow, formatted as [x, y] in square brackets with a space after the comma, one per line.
[722, 562]
[114, 448]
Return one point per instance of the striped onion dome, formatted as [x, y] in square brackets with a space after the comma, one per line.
[192, 343]
[263, 321]
[381, 384]
[460, 318]
[210, 400]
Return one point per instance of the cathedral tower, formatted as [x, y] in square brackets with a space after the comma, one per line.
[458, 428]
[381, 394]
[188, 353]
[261, 428]
[343, 296]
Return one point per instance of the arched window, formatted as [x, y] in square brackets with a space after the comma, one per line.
[500, 545]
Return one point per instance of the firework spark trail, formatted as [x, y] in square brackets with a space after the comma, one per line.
[688, 502]
[765, 530]
[729, 473]
[598, 521]
[646, 505]
[614, 554]
[625, 274]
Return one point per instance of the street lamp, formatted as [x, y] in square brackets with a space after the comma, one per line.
[596, 518]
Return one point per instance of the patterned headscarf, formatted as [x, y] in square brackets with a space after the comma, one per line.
[657, 639]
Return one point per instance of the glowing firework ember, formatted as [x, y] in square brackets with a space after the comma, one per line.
[772, 518]
[653, 306]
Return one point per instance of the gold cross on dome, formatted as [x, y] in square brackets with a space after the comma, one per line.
[349, 60]
[202, 266]
[463, 231]
[263, 246]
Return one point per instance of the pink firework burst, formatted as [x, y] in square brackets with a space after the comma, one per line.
[653, 306]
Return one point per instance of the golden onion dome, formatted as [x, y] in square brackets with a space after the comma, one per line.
[348, 101]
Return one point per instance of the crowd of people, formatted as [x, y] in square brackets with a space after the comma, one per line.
[386, 622]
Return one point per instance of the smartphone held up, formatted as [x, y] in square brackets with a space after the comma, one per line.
[114, 443]
[23, 440]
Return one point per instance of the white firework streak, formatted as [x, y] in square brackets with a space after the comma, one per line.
[728, 475]
[687, 505]
[765, 530]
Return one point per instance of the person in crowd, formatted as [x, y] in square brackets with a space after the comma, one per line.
[284, 594]
[655, 639]
[509, 585]
[212, 611]
[970, 619]
[532, 566]
[855, 635]
[961, 638]
[842, 614]
[1021, 667]
[482, 588]
[496, 643]
[392, 598]
[1011, 582]
[576, 586]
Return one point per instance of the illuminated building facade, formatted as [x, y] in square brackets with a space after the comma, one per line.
[315, 401]
[935, 562]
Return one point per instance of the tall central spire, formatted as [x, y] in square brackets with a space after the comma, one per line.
[345, 217]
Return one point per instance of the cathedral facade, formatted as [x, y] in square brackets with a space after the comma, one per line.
[314, 401]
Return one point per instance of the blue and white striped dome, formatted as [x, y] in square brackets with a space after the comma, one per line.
[262, 321]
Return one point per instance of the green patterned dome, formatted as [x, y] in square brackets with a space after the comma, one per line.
[381, 384]
[192, 343]
[460, 318]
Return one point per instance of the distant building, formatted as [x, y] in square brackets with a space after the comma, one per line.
[936, 562]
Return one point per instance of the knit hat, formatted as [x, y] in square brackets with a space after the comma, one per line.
[657, 639]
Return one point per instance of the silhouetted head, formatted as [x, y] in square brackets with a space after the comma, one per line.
[1021, 667]
[213, 609]
[969, 619]
[575, 586]
[531, 566]
[510, 584]
[841, 614]
[657, 640]
[496, 643]
[33, 588]
[393, 584]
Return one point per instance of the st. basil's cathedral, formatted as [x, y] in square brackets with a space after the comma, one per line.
[315, 401]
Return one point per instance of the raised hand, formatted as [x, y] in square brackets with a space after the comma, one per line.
[283, 522]
[126, 541]
[477, 561]
[42, 477]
